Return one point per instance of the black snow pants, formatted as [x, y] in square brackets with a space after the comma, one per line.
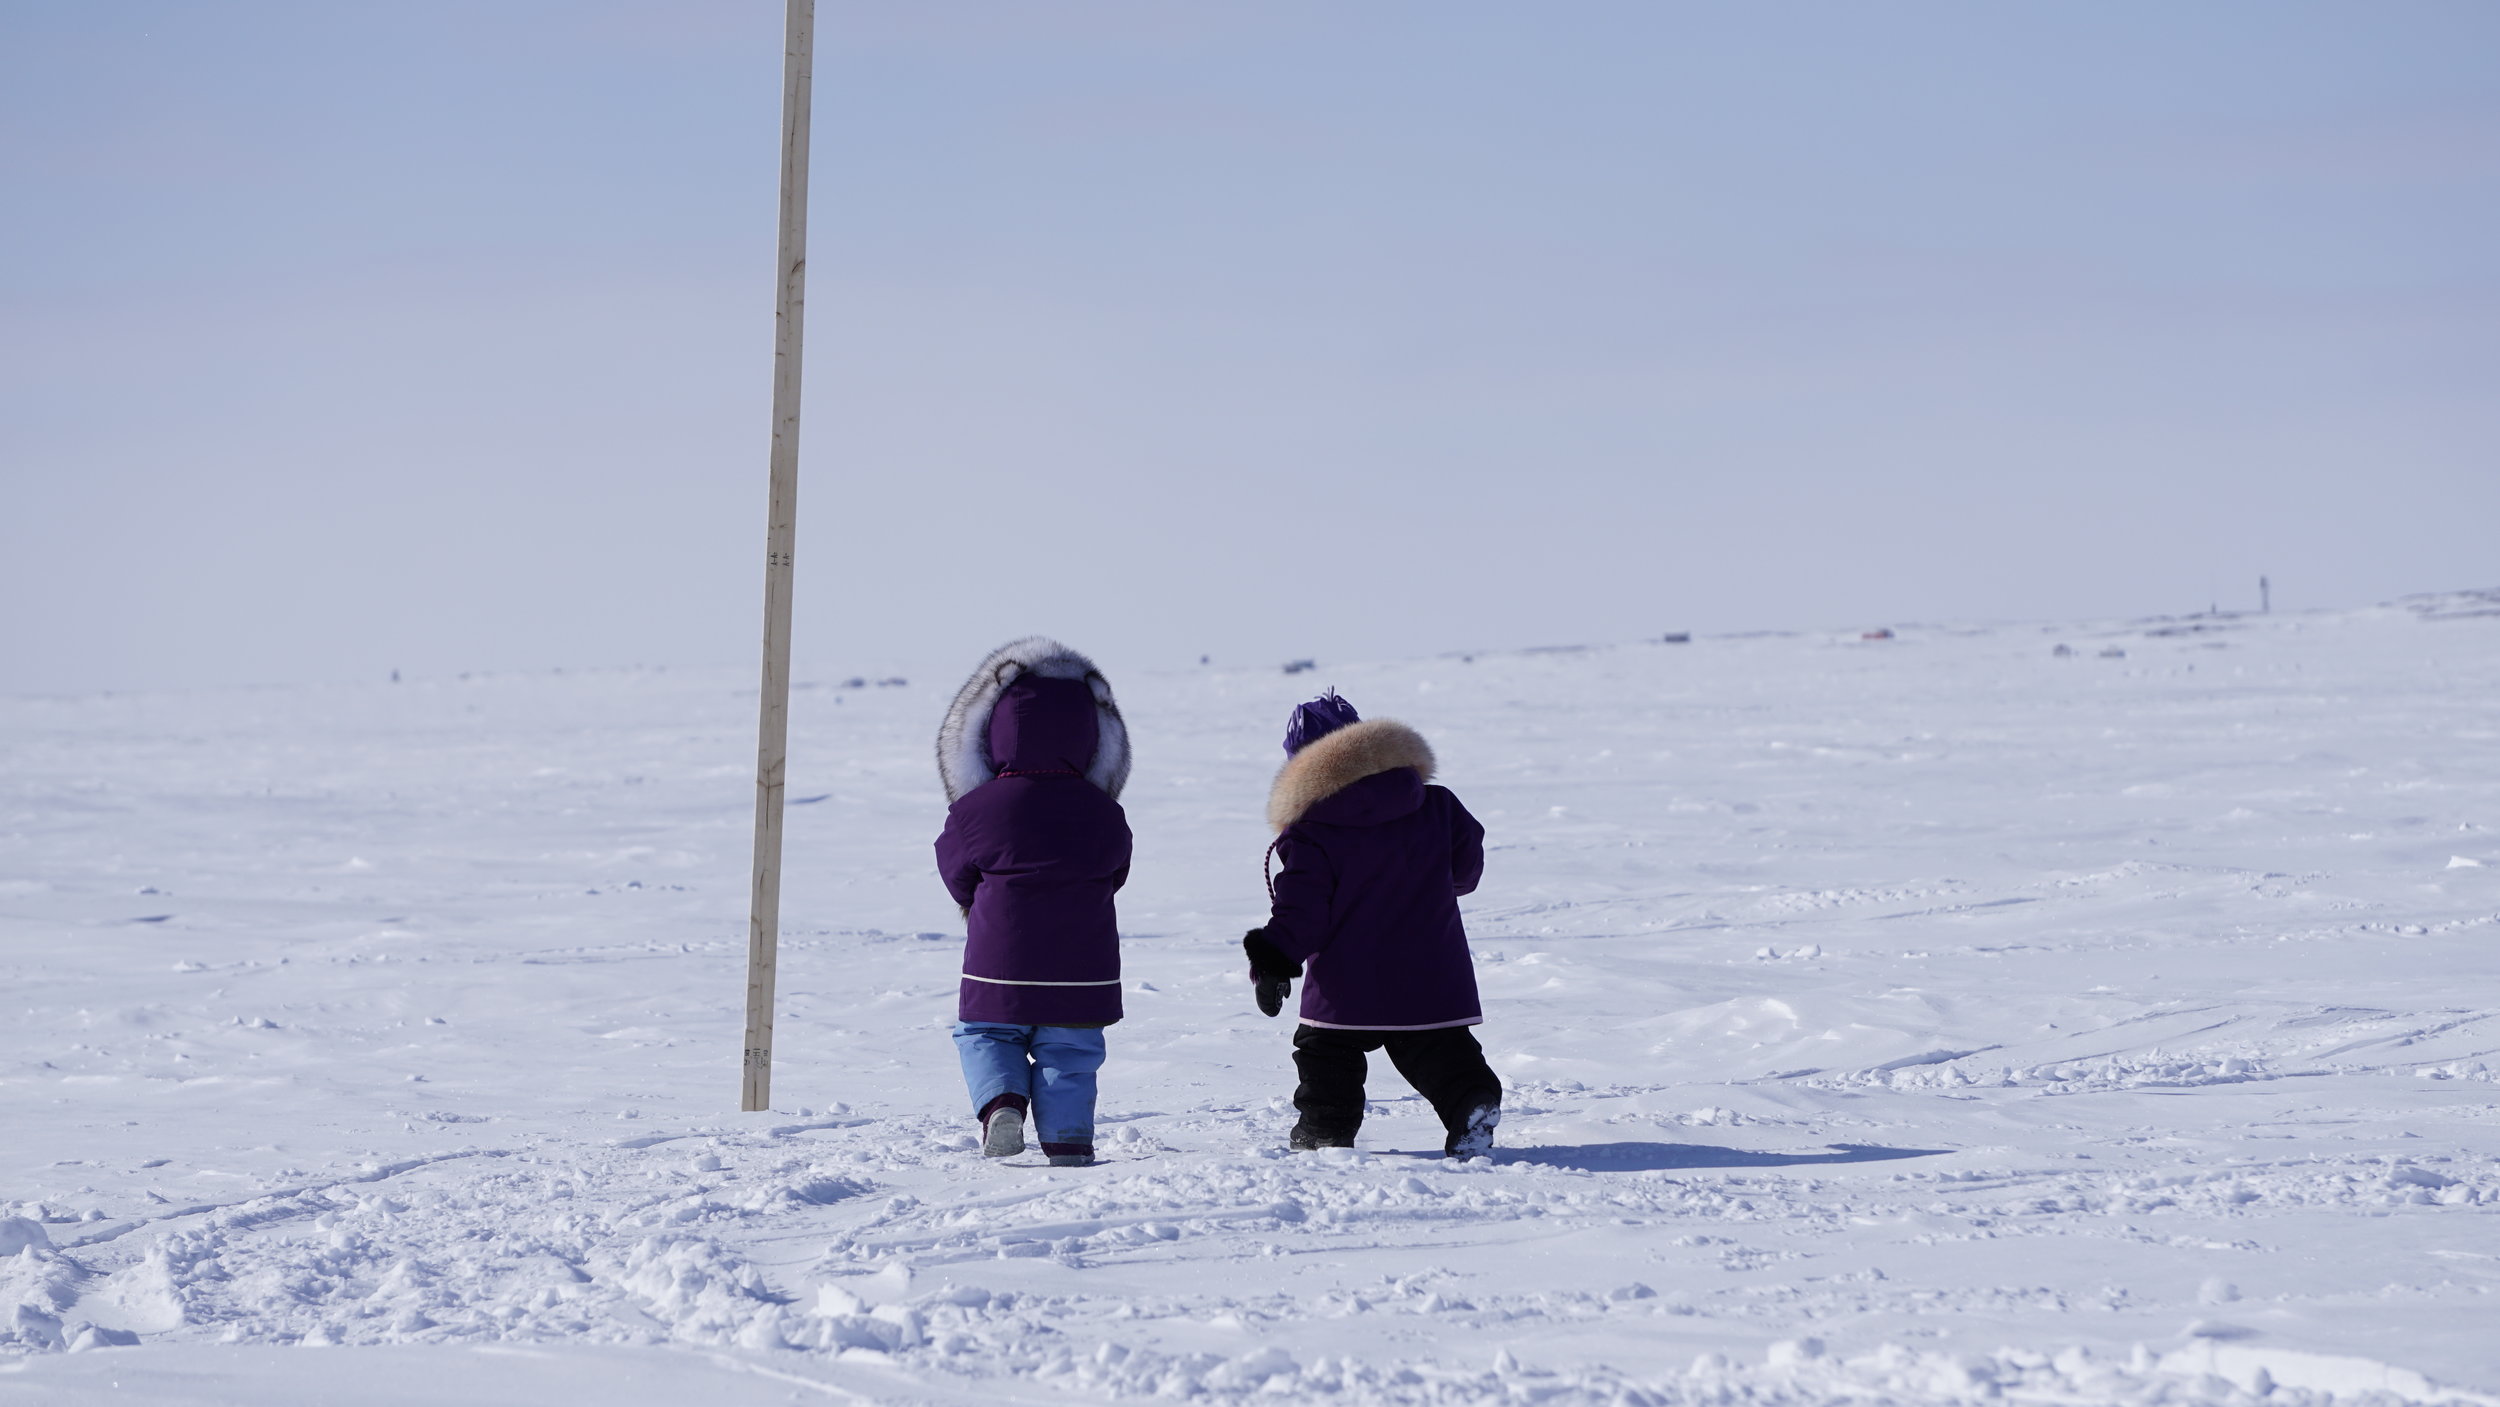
[1445, 1065]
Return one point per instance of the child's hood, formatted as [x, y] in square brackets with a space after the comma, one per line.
[1044, 725]
[1334, 764]
[1045, 728]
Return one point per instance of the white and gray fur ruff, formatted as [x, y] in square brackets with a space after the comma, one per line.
[963, 741]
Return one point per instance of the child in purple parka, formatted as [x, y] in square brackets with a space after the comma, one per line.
[1033, 755]
[1364, 908]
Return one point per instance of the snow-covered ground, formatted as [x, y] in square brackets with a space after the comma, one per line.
[1933, 1019]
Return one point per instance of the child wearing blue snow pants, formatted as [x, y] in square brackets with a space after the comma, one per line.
[1046, 1069]
[1033, 753]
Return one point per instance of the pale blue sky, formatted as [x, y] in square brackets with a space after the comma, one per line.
[338, 337]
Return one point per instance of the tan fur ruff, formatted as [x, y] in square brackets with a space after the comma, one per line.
[1341, 759]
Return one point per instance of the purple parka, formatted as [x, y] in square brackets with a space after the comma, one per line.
[1372, 862]
[1035, 853]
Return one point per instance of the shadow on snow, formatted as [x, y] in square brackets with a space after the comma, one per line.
[1650, 1157]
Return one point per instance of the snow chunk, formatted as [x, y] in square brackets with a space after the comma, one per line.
[17, 1233]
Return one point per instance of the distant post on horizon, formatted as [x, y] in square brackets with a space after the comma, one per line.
[2265, 597]
[772, 732]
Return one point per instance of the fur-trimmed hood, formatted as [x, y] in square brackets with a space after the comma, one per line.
[963, 746]
[1339, 760]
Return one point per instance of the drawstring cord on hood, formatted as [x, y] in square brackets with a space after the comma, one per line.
[1267, 870]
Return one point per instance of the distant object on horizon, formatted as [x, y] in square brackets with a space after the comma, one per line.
[1300, 666]
[1881, 632]
[2112, 652]
[2265, 597]
[1676, 637]
[2063, 651]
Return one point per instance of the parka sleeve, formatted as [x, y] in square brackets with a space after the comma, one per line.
[1127, 847]
[1298, 920]
[955, 862]
[1466, 847]
[1126, 853]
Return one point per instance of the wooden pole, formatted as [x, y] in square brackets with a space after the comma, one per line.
[772, 732]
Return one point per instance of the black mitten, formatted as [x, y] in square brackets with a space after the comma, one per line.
[1271, 972]
[1271, 995]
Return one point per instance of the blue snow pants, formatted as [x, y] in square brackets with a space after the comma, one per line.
[1050, 1068]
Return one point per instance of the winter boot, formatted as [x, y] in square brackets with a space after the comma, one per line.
[1475, 1140]
[1002, 1133]
[1304, 1138]
[1071, 1160]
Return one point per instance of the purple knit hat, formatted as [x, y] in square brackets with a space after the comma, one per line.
[1317, 719]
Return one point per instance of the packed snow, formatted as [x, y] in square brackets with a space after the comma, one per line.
[1941, 1018]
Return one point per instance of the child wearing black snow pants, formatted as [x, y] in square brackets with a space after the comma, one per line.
[1364, 908]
